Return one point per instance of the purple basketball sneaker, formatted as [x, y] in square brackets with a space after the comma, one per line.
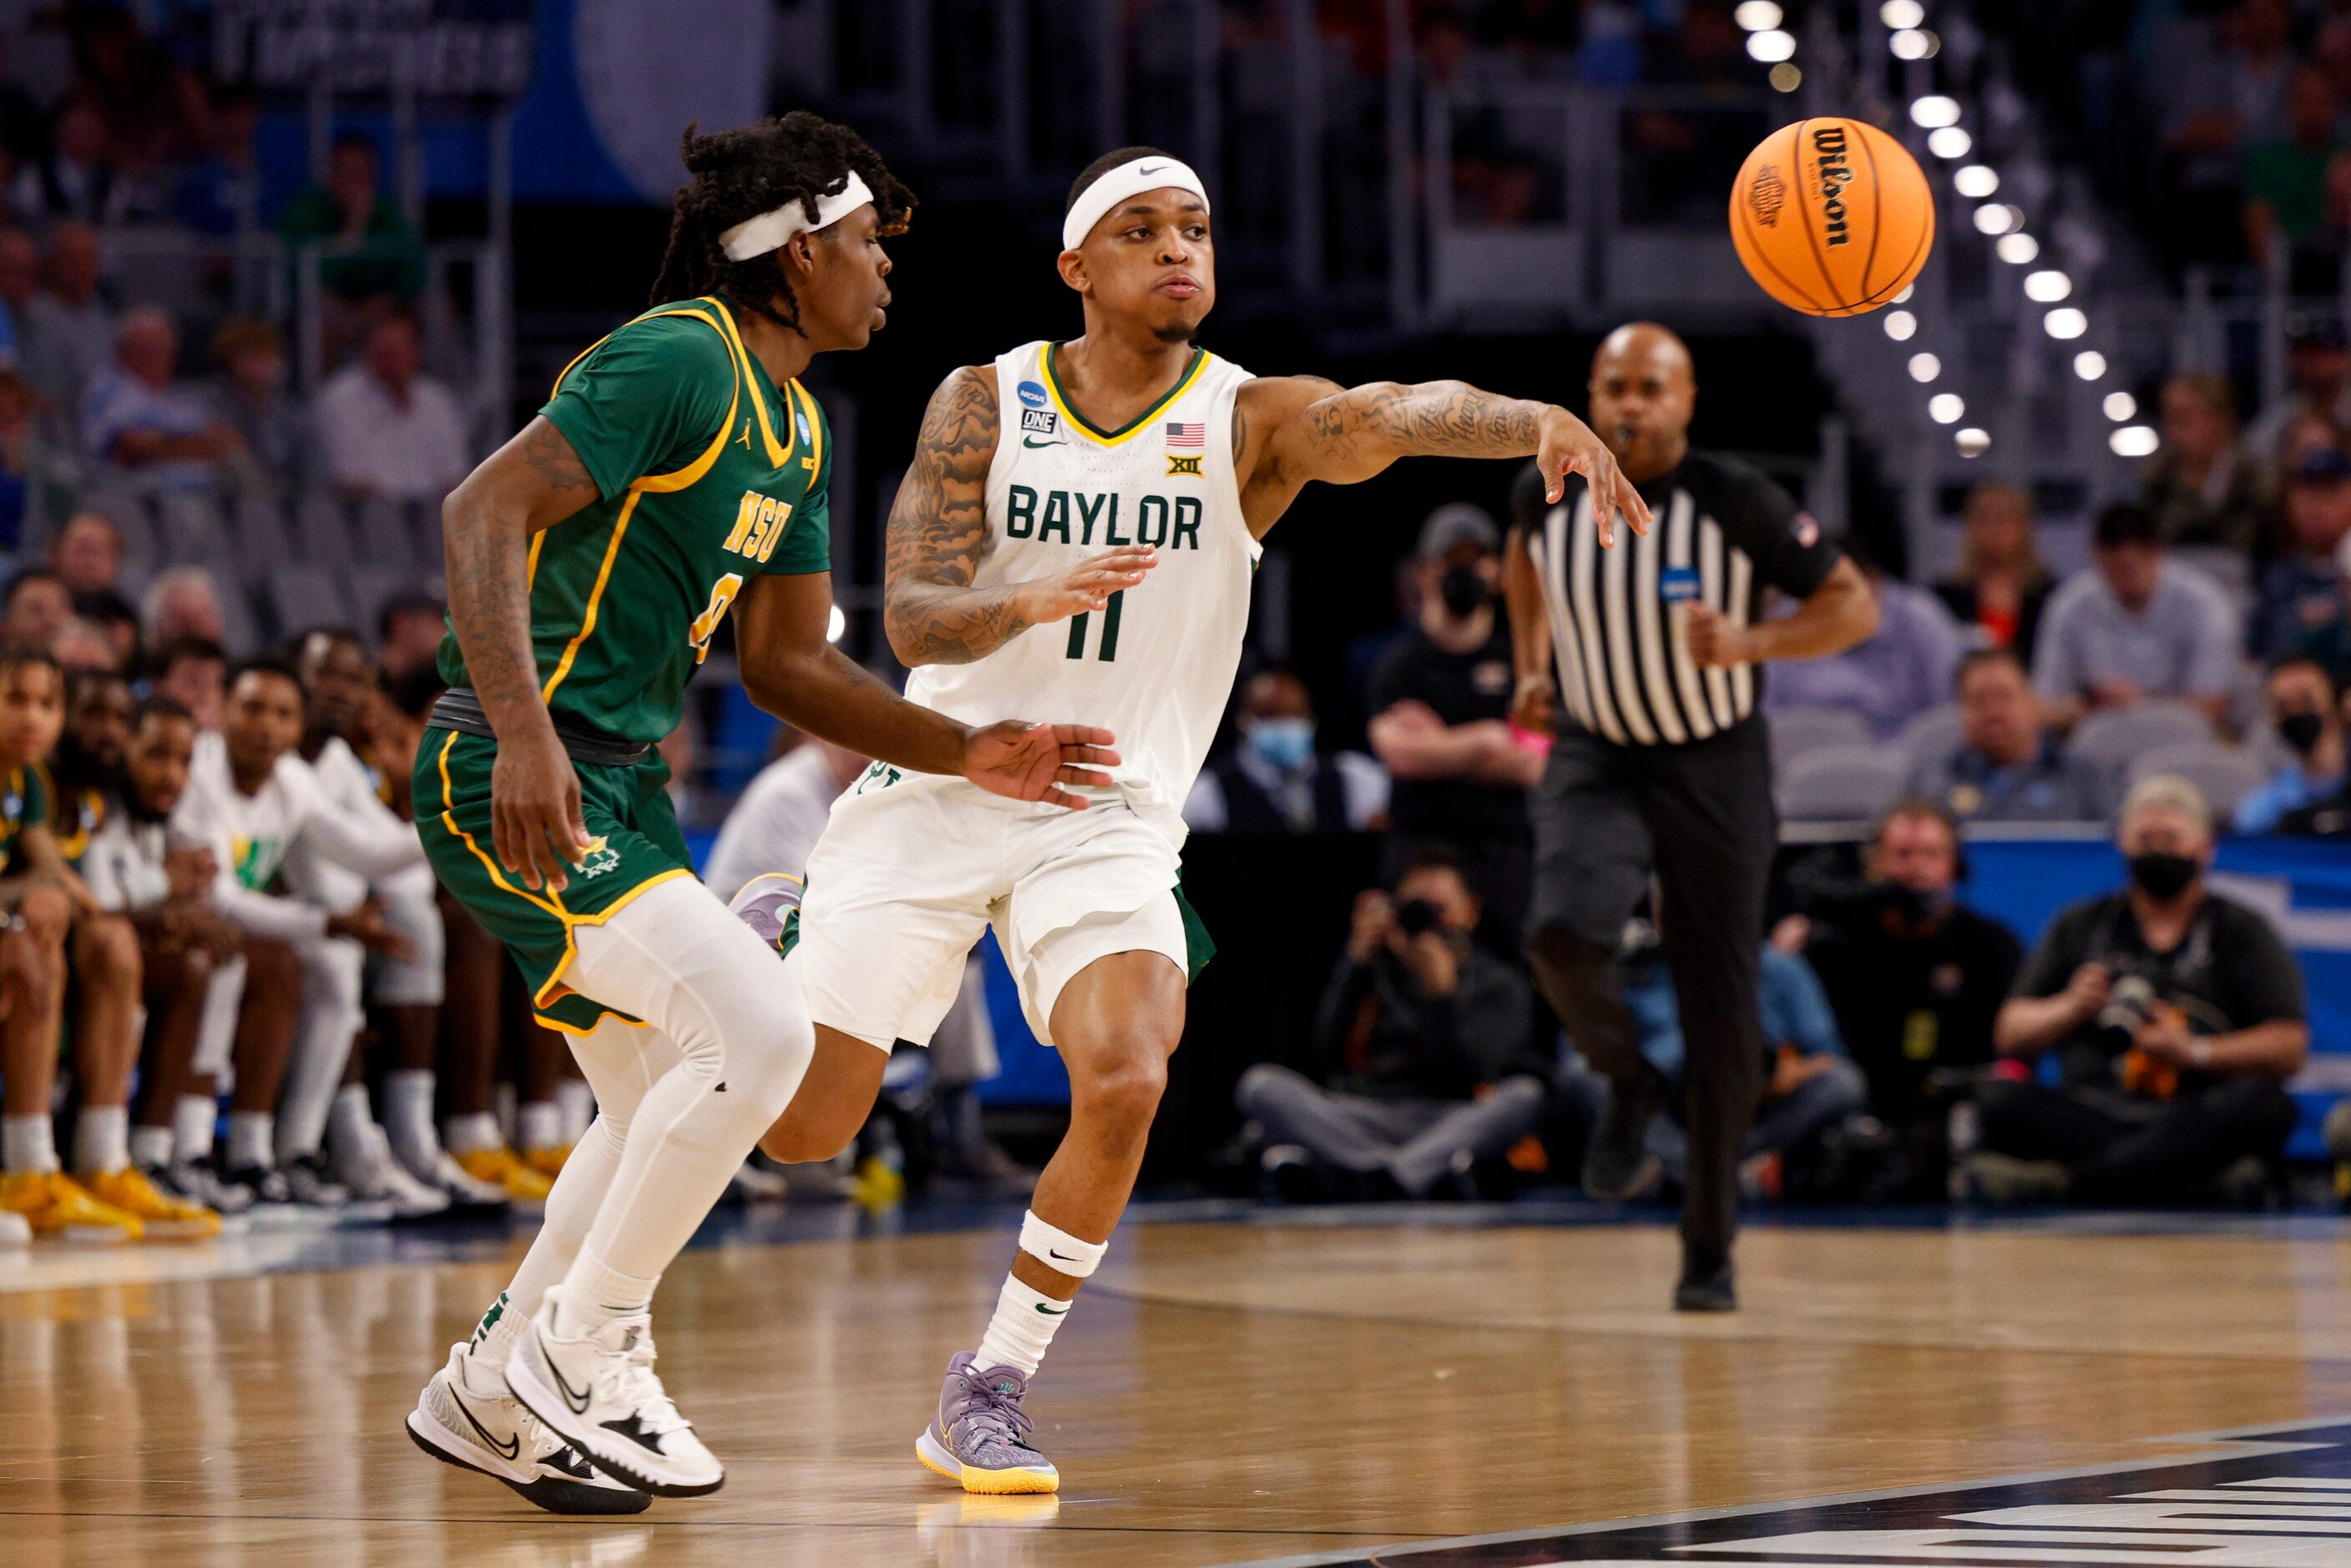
[980, 1435]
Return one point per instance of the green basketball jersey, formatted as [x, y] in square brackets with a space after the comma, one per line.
[707, 475]
[23, 803]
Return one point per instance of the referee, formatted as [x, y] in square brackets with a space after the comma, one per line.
[1661, 764]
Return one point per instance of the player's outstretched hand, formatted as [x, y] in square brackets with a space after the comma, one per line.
[1567, 445]
[1033, 761]
[1085, 586]
[535, 820]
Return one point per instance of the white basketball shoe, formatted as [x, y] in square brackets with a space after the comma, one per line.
[599, 1392]
[465, 1417]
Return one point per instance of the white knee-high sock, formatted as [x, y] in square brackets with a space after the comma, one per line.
[322, 1045]
[408, 1117]
[676, 958]
[621, 1063]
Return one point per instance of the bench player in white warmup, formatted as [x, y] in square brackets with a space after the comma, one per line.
[1076, 535]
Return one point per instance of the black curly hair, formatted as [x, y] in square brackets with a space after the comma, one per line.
[740, 173]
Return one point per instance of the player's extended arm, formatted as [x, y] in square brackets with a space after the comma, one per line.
[531, 483]
[792, 671]
[1530, 650]
[940, 535]
[1838, 613]
[1296, 428]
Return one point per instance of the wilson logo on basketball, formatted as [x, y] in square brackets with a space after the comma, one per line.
[1835, 174]
[1766, 195]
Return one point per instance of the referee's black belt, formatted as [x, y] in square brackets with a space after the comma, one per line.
[460, 709]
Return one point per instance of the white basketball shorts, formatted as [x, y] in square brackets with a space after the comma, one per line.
[913, 867]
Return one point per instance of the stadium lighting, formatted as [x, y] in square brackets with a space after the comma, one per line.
[1771, 45]
[1925, 367]
[1901, 13]
[1996, 218]
[837, 624]
[1914, 44]
[1934, 111]
[1972, 442]
[1787, 76]
[2089, 364]
[1758, 16]
[1950, 141]
[2065, 322]
[1976, 181]
[1904, 298]
[1900, 325]
[1945, 408]
[2047, 287]
[2018, 248]
[2120, 406]
[2133, 441]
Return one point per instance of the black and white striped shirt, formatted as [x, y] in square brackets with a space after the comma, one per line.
[1722, 534]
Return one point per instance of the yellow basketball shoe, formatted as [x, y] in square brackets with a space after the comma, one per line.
[162, 1217]
[502, 1168]
[547, 1162]
[54, 1204]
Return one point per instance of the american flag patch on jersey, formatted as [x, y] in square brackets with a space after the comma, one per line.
[1192, 435]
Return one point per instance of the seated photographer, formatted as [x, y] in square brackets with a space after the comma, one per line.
[1916, 979]
[1810, 1086]
[1428, 1045]
[2178, 1017]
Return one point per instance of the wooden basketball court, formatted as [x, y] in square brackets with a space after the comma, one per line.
[1309, 1388]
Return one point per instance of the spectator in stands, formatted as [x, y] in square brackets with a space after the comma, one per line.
[2219, 94]
[1275, 781]
[2299, 593]
[373, 257]
[20, 278]
[1916, 979]
[1425, 1049]
[81, 645]
[2290, 220]
[248, 395]
[2006, 767]
[67, 330]
[2177, 1016]
[77, 178]
[2202, 488]
[1997, 591]
[1889, 677]
[183, 602]
[2318, 365]
[2305, 712]
[1810, 1085]
[408, 635]
[2134, 625]
[116, 619]
[23, 128]
[1440, 699]
[387, 429]
[220, 189]
[36, 609]
[87, 556]
[137, 418]
[193, 672]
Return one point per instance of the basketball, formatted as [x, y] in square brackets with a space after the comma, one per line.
[1832, 217]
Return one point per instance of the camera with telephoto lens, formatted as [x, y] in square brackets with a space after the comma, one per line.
[1414, 915]
[2130, 1007]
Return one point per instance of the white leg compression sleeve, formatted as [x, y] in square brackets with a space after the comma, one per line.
[420, 979]
[216, 1030]
[332, 968]
[676, 958]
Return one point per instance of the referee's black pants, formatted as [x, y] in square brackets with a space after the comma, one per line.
[1700, 816]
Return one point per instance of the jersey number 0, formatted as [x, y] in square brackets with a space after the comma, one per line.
[1109, 650]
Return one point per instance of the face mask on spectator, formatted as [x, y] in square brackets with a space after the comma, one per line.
[1464, 591]
[2162, 874]
[1284, 745]
[1912, 907]
[2301, 731]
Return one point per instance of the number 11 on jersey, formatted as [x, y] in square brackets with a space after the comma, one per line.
[1109, 650]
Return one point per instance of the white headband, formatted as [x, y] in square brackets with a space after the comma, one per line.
[757, 237]
[1152, 173]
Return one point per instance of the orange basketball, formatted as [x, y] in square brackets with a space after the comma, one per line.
[1832, 217]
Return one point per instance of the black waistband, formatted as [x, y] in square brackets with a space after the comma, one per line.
[460, 709]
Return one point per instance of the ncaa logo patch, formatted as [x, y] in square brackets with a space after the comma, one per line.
[1031, 394]
[1042, 421]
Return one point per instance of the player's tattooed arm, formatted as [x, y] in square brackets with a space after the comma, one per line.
[1343, 436]
[940, 535]
[531, 483]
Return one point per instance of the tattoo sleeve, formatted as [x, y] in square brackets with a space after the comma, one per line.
[1433, 419]
[938, 535]
[487, 523]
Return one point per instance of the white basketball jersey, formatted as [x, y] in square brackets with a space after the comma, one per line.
[1155, 666]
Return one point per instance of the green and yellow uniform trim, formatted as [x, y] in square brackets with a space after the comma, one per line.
[1132, 427]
